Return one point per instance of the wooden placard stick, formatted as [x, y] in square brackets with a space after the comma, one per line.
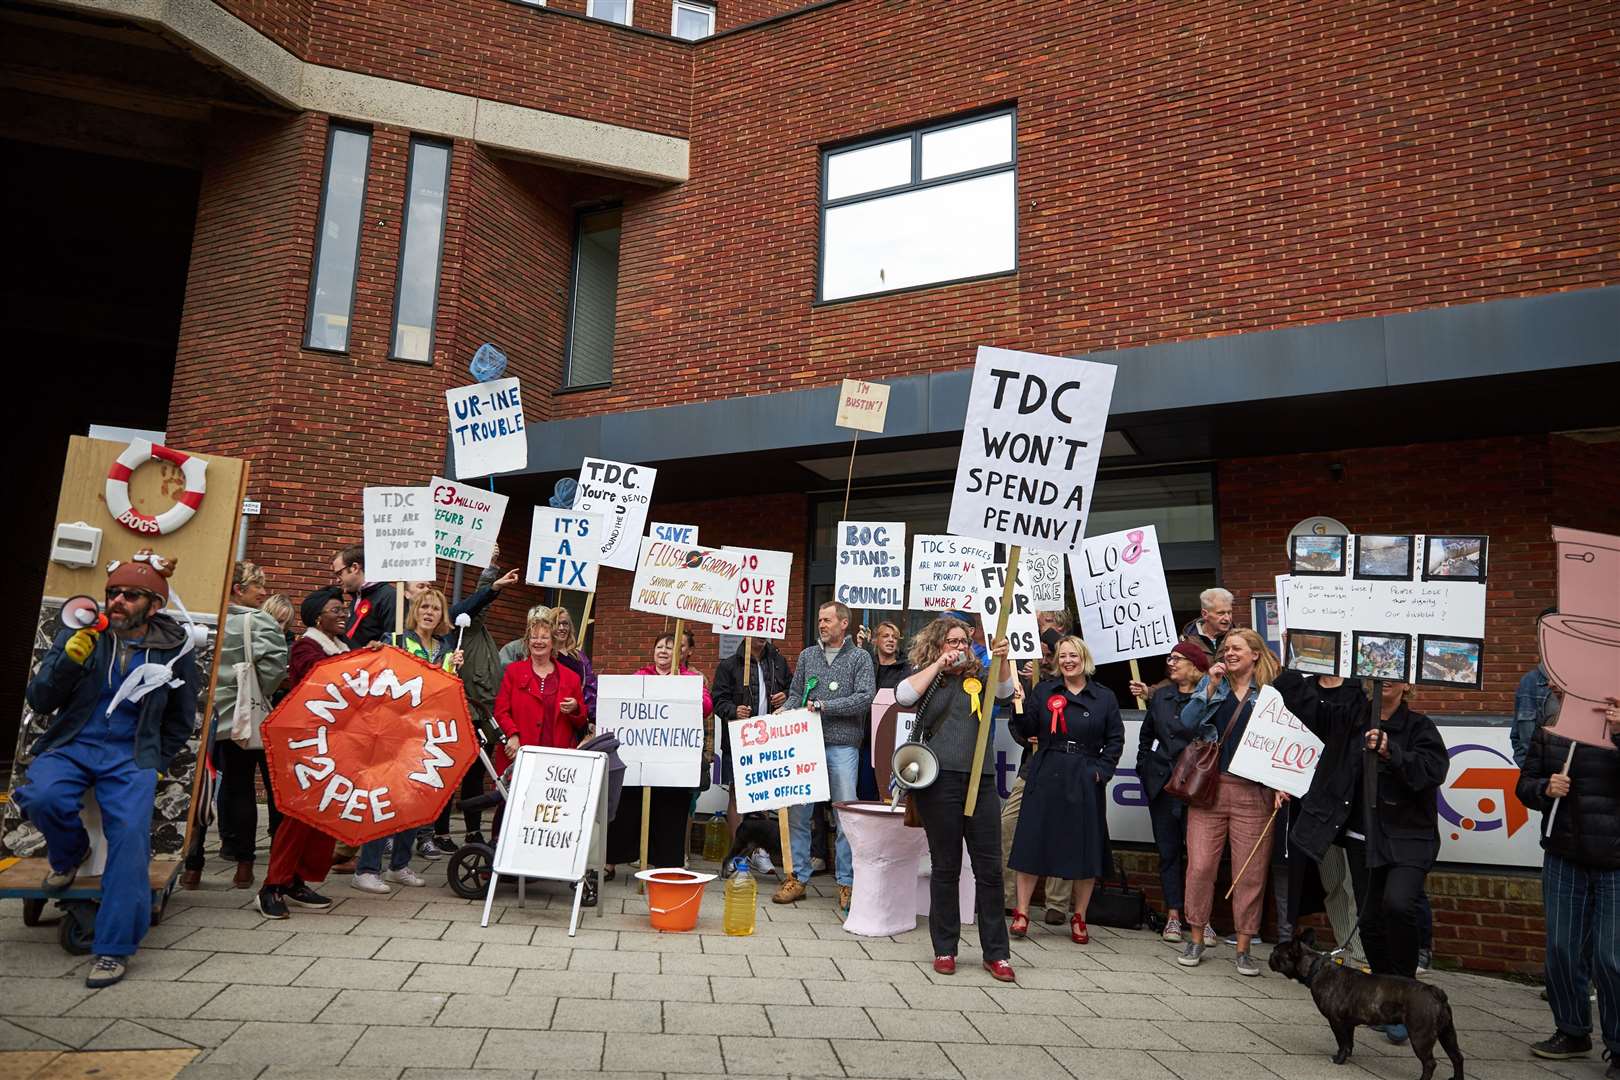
[988, 708]
[1569, 759]
[1136, 676]
[585, 617]
[399, 609]
[1237, 877]
[849, 479]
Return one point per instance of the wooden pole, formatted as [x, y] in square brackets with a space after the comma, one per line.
[988, 708]
[585, 617]
[748, 660]
[1237, 877]
[399, 609]
[1136, 676]
[1569, 759]
[785, 827]
[849, 480]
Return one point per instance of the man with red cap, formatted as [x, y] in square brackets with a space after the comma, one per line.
[121, 703]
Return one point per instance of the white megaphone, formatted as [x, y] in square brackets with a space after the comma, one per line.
[915, 766]
[81, 613]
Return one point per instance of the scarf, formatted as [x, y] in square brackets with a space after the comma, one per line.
[329, 646]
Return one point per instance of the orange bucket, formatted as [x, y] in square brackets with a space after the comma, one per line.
[674, 897]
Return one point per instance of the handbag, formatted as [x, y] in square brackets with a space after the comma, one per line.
[250, 709]
[1116, 904]
[1197, 771]
[913, 816]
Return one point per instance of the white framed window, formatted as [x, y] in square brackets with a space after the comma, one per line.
[692, 20]
[615, 11]
[931, 206]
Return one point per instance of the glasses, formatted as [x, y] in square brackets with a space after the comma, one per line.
[957, 642]
[127, 594]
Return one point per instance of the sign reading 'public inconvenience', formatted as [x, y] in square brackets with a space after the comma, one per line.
[466, 521]
[621, 494]
[564, 548]
[691, 583]
[762, 596]
[550, 813]
[1023, 632]
[486, 428]
[398, 533]
[862, 405]
[778, 760]
[944, 572]
[1124, 601]
[658, 720]
[871, 571]
[1277, 750]
[1030, 449]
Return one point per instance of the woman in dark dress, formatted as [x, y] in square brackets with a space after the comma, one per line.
[889, 667]
[1063, 827]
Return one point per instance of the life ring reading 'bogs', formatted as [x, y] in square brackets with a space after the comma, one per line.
[136, 454]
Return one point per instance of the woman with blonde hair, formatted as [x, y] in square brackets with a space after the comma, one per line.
[1219, 710]
[571, 653]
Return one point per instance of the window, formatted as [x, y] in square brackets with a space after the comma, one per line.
[416, 293]
[337, 239]
[922, 208]
[692, 21]
[595, 299]
[619, 11]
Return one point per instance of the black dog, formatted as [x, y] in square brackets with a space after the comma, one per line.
[1347, 998]
[754, 833]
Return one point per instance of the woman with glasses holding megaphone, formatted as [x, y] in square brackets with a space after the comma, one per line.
[949, 693]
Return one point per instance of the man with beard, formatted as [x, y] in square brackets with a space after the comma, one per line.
[112, 734]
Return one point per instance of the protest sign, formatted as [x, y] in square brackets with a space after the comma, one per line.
[621, 494]
[675, 534]
[778, 760]
[486, 428]
[1124, 602]
[944, 572]
[658, 720]
[695, 584]
[564, 548]
[1023, 633]
[466, 521]
[1048, 584]
[762, 595]
[1030, 449]
[551, 813]
[1277, 751]
[398, 534]
[862, 405]
[871, 570]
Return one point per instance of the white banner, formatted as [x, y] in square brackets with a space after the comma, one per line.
[621, 494]
[945, 572]
[871, 570]
[1048, 583]
[1030, 448]
[564, 549]
[466, 521]
[398, 534]
[778, 760]
[658, 720]
[486, 428]
[1277, 750]
[696, 584]
[763, 588]
[550, 813]
[1023, 633]
[1124, 602]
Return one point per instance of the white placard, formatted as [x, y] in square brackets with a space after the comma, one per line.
[398, 534]
[1048, 581]
[1124, 602]
[778, 760]
[564, 549]
[944, 572]
[675, 534]
[550, 815]
[1277, 751]
[658, 720]
[696, 584]
[862, 405]
[763, 588]
[466, 521]
[871, 569]
[486, 428]
[621, 494]
[1030, 448]
[1023, 633]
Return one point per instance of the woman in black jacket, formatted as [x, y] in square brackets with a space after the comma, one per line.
[768, 681]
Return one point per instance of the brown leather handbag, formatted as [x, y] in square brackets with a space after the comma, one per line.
[1197, 772]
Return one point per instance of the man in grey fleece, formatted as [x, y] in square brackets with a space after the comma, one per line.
[836, 679]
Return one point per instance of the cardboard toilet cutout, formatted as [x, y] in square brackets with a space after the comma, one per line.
[1580, 645]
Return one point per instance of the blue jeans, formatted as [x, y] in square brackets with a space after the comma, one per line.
[843, 772]
[1583, 942]
[369, 861]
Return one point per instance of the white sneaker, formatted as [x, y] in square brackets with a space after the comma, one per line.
[818, 865]
[406, 876]
[371, 883]
[762, 863]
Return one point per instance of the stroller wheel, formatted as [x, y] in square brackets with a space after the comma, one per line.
[470, 869]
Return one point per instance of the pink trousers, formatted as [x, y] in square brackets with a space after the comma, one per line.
[1240, 812]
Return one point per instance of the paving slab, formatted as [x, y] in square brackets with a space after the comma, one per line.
[249, 969]
[490, 1011]
[730, 1018]
[582, 1014]
[826, 1021]
[779, 1057]
[428, 951]
[395, 1007]
[981, 1062]
[672, 1053]
[290, 1004]
[923, 1025]
[298, 1045]
[640, 987]
[579, 1051]
[866, 1057]
[346, 974]
[199, 1033]
[440, 1048]
[129, 999]
[760, 991]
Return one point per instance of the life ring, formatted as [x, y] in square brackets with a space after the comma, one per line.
[136, 454]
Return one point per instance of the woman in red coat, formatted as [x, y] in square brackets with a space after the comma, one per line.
[540, 702]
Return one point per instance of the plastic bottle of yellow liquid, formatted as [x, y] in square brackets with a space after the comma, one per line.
[742, 897]
[714, 838]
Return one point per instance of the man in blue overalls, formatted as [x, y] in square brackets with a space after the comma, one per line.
[115, 735]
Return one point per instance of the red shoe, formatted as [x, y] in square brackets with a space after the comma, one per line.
[945, 965]
[1077, 930]
[1000, 970]
[1020, 923]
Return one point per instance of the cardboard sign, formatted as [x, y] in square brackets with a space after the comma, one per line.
[398, 534]
[1023, 633]
[658, 720]
[696, 584]
[762, 597]
[871, 570]
[564, 548]
[944, 572]
[1277, 750]
[466, 521]
[551, 810]
[778, 760]
[675, 534]
[621, 494]
[862, 405]
[486, 428]
[1048, 583]
[1030, 449]
[1124, 601]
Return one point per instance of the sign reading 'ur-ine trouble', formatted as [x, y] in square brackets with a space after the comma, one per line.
[398, 534]
[486, 428]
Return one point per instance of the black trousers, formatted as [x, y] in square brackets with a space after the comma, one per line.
[238, 807]
[1391, 899]
[940, 805]
[472, 785]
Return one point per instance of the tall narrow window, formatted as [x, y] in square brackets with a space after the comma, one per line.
[595, 299]
[692, 20]
[619, 11]
[416, 293]
[337, 239]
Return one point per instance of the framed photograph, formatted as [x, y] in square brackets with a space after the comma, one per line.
[1381, 656]
[1318, 556]
[1446, 661]
[1263, 617]
[1314, 652]
[1454, 558]
[1384, 558]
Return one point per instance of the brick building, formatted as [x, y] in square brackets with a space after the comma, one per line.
[1357, 261]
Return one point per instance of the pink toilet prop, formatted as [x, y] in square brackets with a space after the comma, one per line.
[885, 855]
[1580, 645]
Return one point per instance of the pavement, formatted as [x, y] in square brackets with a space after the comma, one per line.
[410, 987]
